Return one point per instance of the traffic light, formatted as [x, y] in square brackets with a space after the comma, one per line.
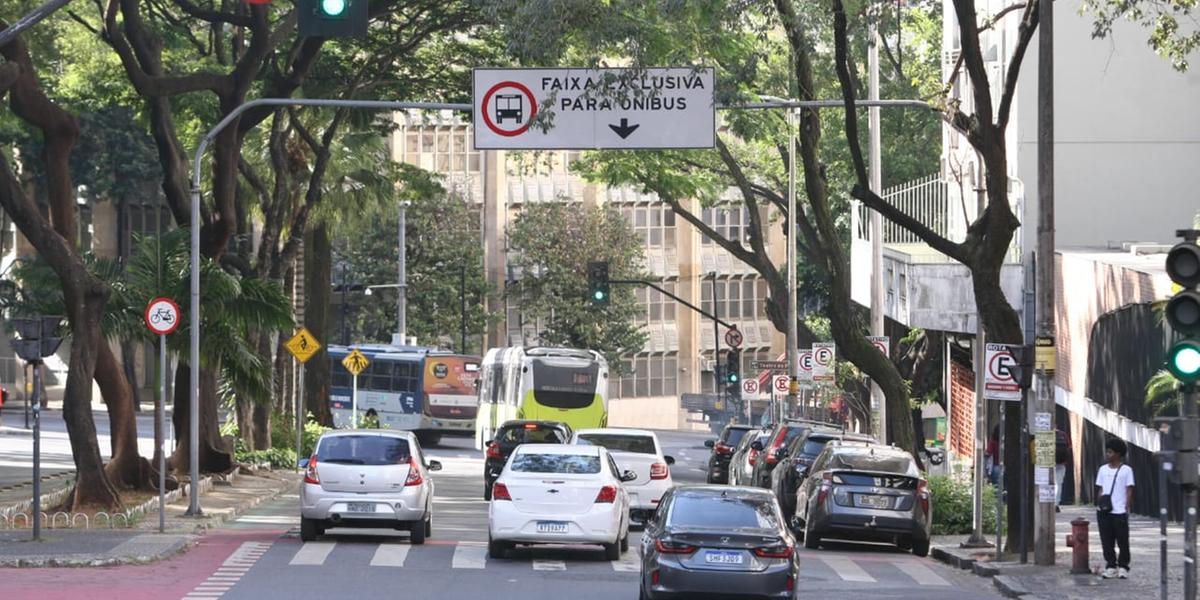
[333, 18]
[733, 374]
[598, 288]
[36, 339]
[1183, 311]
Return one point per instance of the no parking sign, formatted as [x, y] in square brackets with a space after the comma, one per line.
[1000, 381]
[823, 361]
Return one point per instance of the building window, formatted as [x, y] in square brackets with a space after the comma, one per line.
[650, 376]
[655, 225]
[730, 223]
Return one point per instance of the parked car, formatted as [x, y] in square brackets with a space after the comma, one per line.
[741, 464]
[781, 434]
[866, 492]
[720, 542]
[550, 494]
[638, 451]
[722, 451]
[797, 457]
[512, 434]
[367, 478]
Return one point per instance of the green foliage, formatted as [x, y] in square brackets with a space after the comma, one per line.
[1171, 23]
[550, 245]
[952, 506]
[1162, 393]
[278, 458]
[312, 432]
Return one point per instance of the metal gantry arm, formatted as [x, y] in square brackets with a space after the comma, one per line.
[675, 298]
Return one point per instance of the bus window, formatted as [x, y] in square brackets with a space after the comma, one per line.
[567, 388]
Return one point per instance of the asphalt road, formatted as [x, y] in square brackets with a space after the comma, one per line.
[16, 443]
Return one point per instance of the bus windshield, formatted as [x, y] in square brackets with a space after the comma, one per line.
[557, 386]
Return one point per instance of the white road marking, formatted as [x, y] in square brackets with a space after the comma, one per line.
[469, 556]
[390, 555]
[919, 572]
[847, 569]
[549, 565]
[630, 562]
[312, 553]
[270, 519]
[231, 571]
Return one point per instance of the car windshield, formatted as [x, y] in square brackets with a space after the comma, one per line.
[530, 433]
[814, 446]
[734, 436]
[721, 512]
[640, 444]
[871, 460]
[792, 433]
[555, 463]
[363, 450]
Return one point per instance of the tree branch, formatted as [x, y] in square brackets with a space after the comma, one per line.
[1029, 23]
[213, 16]
[972, 55]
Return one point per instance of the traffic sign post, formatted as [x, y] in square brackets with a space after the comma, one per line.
[162, 319]
[356, 362]
[733, 338]
[36, 341]
[303, 346]
[749, 388]
[805, 366]
[594, 108]
[1000, 381]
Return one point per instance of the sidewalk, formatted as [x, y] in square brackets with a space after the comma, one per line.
[222, 502]
[1032, 582]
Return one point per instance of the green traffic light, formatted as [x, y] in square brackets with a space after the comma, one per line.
[598, 295]
[333, 8]
[1184, 361]
[733, 378]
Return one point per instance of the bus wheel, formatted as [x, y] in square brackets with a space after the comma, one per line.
[429, 439]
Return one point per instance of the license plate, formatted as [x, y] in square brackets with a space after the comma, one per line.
[360, 507]
[724, 558]
[867, 501]
[551, 527]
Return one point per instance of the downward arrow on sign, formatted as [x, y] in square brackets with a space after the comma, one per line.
[624, 129]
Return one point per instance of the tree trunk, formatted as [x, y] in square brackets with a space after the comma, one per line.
[262, 409]
[243, 411]
[126, 468]
[318, 258]
[215, 457]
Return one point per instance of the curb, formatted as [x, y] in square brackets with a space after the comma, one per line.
[217, 520]
[1009, 586]
[945, 556]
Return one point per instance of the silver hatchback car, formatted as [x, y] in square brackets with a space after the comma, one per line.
[367, 478]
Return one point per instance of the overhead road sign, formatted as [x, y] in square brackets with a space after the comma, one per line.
[587, 109]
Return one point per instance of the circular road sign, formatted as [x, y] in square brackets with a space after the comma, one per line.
[509, 101]
[823, 356]
[1001, 365]
[162, 316]
[733, 337]
[806, 361]
[780, 383]
[749, 387]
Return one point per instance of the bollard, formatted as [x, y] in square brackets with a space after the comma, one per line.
[1077, 540]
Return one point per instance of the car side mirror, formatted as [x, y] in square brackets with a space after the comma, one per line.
[302, 463]
[434, 465]
[670, 459]
[781, 453]
[628, 476]
[757, 446]
[709, 443]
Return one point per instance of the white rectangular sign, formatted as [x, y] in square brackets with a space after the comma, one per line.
[999, 380]
[824, 361]
[805, 368]
[881, 343]
[585, 109]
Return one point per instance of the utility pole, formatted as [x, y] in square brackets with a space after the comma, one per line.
[717, 387]
[402, 285]
[1043, 514]
[793, 311]
[874, 149]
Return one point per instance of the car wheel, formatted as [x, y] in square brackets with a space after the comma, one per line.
[418, 529]
[308, 529]
[429, 525]
[487, 492]
[497, 550]
[642, 595]
[612, 551]
[625, 542]
[904, 543]
[921, 548]
[812, 540]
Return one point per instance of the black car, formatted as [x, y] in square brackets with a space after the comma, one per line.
[722, 451]
[781, 434]
[741, 464]
[512, 434]
[797, 457]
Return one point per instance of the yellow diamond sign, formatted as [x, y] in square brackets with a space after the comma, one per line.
[303, 345]
[356, 362]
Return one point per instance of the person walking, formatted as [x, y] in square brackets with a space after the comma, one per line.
[1062, 457]
[1114, 497]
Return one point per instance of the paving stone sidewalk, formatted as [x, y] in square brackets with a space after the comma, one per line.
[1032, 582]
[141, 543]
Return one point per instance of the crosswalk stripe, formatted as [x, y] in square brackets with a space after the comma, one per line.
[630, 562]
[920, 573]
[847, 569]
[549, 565]
[469, 556]
[313, 553]
[390, 555]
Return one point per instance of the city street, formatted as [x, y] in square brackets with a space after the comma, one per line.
[261, 556]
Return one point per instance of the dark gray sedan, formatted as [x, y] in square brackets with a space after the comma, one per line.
[865, 492]
[718, 542]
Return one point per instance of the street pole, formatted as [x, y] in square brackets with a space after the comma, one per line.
[345, 332]
[977, 539]
[300, 419]
[160, 425]
[875, 164]
[1189, 503]
[462, 307]
[354, 405]
[194, 343]
[1162, 526]
[716, 339]
[1044, 519]
[793, 310]
[37, 449]
[402, 285]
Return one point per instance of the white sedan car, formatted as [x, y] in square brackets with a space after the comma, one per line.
[549, 494]
[635, 450]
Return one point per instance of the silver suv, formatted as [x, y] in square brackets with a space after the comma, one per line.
[367, 478]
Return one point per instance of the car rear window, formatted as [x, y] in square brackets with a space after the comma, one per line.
[532, 433]
[640, 444]
[721, 512]
[814, 446]
[733, 436]
[874, 461]
[792, 433]
[555, 463]
[363, 450]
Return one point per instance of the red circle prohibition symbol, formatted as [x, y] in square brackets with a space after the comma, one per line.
[162, 316]
[823, 356]
[996, 362]
[806, 360]
[881, 346]
[487, 117]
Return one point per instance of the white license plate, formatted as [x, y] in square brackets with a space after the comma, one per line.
[866, 501]
[551, 527]
[724, 558]
[360, 507]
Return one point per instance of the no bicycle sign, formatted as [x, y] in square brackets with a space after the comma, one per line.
[583, 109]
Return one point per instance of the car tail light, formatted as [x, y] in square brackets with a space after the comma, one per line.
[826, 483]
[791, 583]
[771, 458]
[669, 547]
[655, 577]
[659, 471]
[414, 474]
[500, 492]
[607, 495]
[310, 474]
[493, 450]
[723, 450]
[780, 551]
[923, 495]
[753, 456]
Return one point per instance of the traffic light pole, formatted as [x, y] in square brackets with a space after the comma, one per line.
[718, 389]
[1189, 510]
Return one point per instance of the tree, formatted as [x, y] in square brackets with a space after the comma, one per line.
[549, 248]
[1169, 38]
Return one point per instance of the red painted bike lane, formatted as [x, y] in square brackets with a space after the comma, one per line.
[170, 579]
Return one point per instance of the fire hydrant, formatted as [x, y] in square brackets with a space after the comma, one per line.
[1077, 540]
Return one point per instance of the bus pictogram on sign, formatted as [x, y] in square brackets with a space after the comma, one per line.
[508, 101]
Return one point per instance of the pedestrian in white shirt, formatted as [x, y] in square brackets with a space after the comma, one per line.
[1114, 497]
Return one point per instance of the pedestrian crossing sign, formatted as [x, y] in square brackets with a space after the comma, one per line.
[356, 362]
[303, 345]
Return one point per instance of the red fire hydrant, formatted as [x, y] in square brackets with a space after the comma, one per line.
[1077, 540]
